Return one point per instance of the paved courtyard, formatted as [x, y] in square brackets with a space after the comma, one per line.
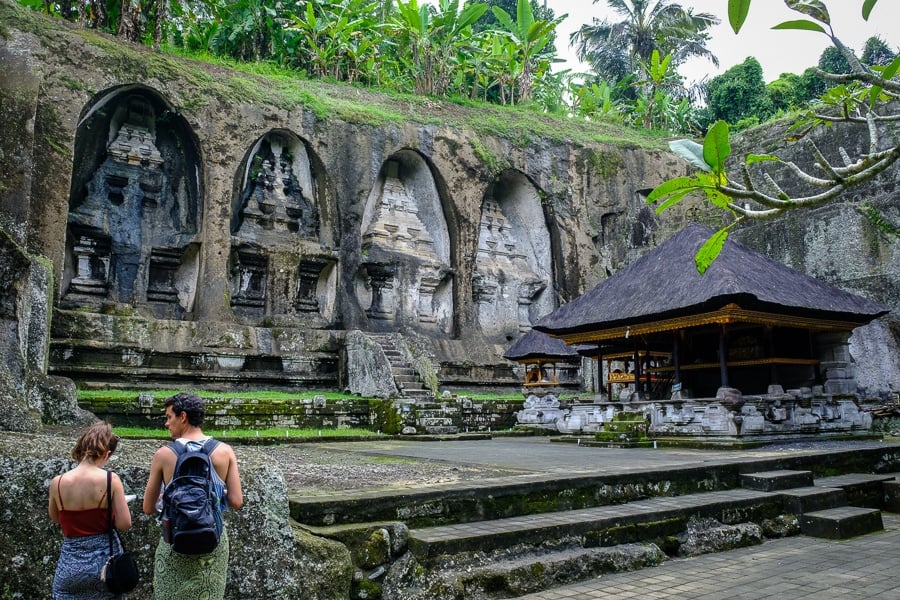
[867, 567]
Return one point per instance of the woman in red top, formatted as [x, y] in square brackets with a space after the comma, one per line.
[78, 503]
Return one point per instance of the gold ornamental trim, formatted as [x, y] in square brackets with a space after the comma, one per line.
[728, 314]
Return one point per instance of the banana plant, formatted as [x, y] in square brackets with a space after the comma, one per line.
[433, 36]
[530, 36]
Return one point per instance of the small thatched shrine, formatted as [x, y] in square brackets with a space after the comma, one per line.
[541, 355]
[750, 346]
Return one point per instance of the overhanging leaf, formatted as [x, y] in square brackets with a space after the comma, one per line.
[710, 250]
[671, 186]
[690, 151]
[673, 199]
[716, 148]
[717, 198]
[868, 5]
[811, 8]
[887, 74]
[737, 13]
[801, 24]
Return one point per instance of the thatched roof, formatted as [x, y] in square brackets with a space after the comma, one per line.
[665, 284]
[537, 346]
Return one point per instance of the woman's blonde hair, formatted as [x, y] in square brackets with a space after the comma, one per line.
[94, 442]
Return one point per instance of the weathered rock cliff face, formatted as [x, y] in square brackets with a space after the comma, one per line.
[209, 226]
[214, 225]
[837, 243]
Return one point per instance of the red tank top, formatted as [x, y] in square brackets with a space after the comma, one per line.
[87, 521]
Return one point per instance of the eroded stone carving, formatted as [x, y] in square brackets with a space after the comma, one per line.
[513, 265]
[279, 268]
[540, 409]
[129, 234]
[274, 199]
[405, 273]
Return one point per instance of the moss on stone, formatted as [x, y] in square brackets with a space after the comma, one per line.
[605, 164]
[366, 589]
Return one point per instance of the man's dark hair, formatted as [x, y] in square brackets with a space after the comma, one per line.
[191, 404]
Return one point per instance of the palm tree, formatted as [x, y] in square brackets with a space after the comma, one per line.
[617, 49]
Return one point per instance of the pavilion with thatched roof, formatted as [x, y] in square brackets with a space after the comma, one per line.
[748, 322]
[538, 352]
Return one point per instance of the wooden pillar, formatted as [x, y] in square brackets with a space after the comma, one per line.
[676, 356]
[770, 353]
[599, 387]
[723, 357]
[637, 370]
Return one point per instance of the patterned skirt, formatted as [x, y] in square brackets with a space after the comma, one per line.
[190, 577]
[78, 569]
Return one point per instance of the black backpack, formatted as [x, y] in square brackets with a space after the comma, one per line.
[191, 508]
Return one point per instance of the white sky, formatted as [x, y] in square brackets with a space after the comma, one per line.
[778, 51]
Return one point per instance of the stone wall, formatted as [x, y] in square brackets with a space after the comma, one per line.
[450, 414]
[270, 557]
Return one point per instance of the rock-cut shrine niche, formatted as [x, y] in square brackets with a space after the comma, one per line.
[134, 207]
[404, 278]
[513, 269]
[280, 266]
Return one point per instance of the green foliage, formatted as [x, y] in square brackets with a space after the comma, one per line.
[144, 432]
[738, 93]
[860, 91]
[832, 60]
[615, 49]
[785, 93]
[876, 52]
[529, 36]
[387, 418]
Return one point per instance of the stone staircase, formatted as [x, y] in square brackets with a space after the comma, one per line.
[822, 505]
[522, 534]
[405, 376]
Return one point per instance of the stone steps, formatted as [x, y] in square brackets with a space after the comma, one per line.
[508, 557]
[812, 498]
[507, 537]
[405, 376]
[862, 489]
[892, 496]
[841, 523]
[513, 577]
[823, 507]
[781, 479]
[640, 521]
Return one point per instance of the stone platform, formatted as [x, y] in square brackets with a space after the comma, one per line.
[576, 515]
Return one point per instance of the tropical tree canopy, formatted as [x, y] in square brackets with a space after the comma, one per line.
[616, 49]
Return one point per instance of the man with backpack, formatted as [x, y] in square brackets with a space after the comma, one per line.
[192, 480]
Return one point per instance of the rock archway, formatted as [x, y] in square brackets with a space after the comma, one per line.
[281, 265]
[405, 276]
[134, 207]
[514, 266]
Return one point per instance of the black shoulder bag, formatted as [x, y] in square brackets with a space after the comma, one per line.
[120, 572]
